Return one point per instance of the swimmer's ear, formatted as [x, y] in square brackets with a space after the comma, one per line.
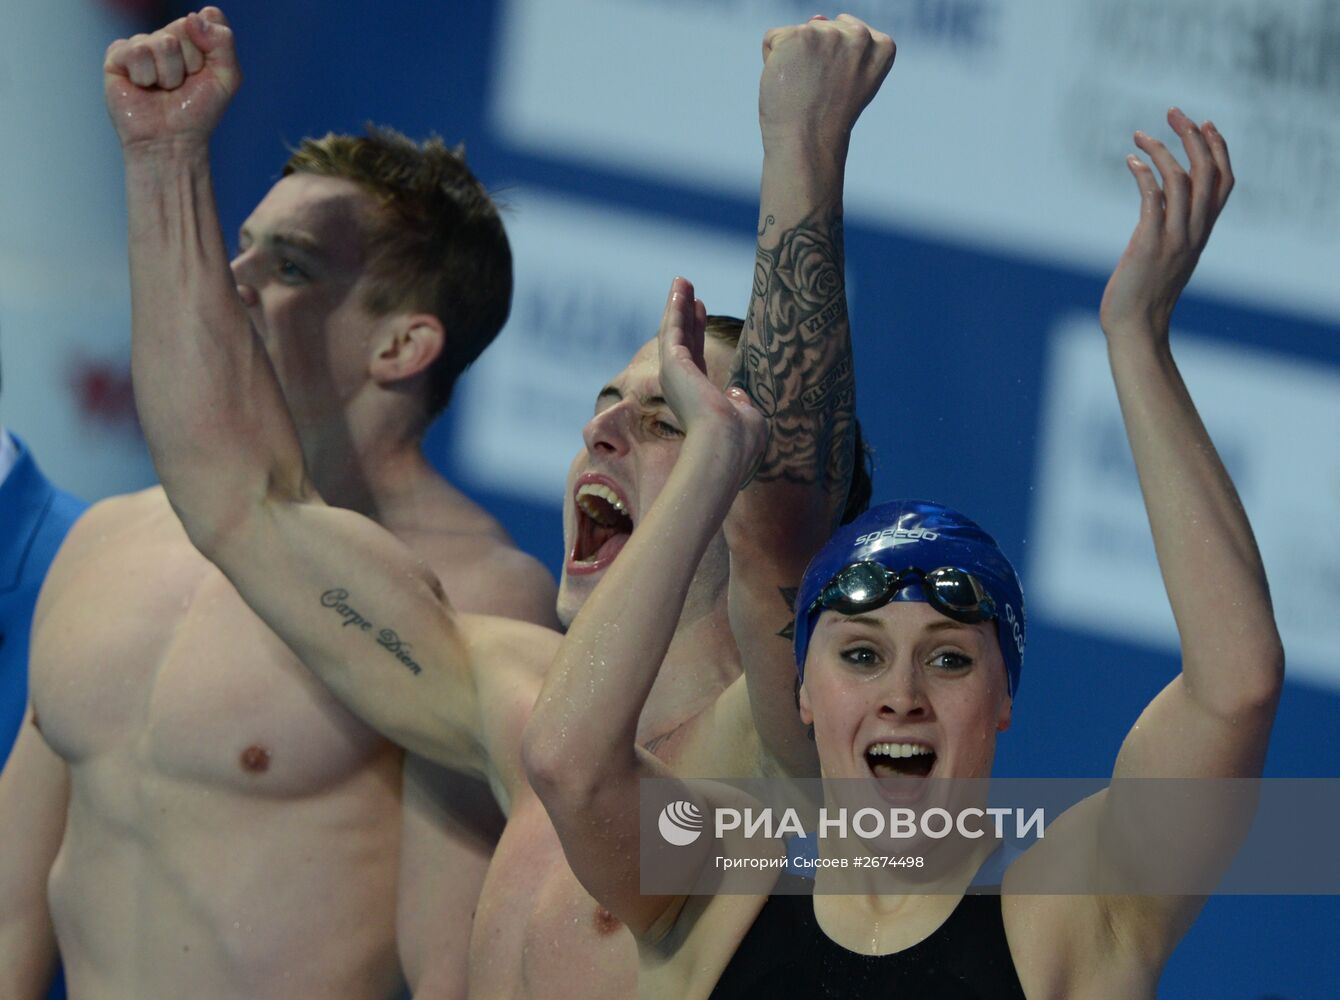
[1005, 715]
[405, 346]
[803, 702]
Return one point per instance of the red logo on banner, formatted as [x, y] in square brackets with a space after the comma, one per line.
[103, 394]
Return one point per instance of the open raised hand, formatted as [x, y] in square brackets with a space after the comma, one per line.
[1175, 224]
[728, 416]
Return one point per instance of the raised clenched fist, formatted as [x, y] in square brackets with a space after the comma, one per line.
[819, 76]
[173, 85]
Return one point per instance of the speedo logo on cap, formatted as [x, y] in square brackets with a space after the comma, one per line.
[1016, 629]
[918, 534]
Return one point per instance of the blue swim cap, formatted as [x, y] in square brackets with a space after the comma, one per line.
[923, 535]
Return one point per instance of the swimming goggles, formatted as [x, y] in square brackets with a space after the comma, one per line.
[864, 586]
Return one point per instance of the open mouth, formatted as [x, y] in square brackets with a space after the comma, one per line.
[603, 526]
[900, 768]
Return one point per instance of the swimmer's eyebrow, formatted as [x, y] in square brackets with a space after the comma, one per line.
[948, 625]
[298, 241]
[647, 402]
[291, 240]
[859, 620]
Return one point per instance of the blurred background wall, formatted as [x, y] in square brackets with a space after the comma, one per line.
[987, 201]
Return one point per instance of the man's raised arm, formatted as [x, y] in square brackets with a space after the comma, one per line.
[346, 596]
[794, 357]
[216, 423]
[580, 748]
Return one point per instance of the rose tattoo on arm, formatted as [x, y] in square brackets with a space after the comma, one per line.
[794, 359]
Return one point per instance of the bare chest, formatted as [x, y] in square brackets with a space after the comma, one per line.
[537, 932]
[149, 657]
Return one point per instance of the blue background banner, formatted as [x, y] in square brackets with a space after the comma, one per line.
[986, 208]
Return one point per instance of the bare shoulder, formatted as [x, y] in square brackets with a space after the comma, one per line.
[507, 581]
[108, 538]
[730, 740]
[481, 569]
[124, 511]
[111, 521]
